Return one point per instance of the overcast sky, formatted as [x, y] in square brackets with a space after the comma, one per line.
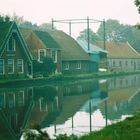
[39, 11]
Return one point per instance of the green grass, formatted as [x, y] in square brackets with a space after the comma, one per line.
[128, 129]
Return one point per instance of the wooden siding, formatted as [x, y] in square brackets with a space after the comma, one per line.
[123, 64]
[15, 55]
[86, 67]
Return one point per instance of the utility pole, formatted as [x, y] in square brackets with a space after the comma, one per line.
[104, 34]
[70, 28]
[52, 24]
[88, 39]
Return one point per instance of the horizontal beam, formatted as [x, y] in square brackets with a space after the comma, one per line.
[77, 21]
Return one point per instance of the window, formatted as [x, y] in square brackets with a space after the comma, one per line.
[2, 100]
[11, 100]
[67, 91]
[11, 45]
[41, 54]
[42, 104]
[21, 98]
[114, 63]
[10, 66]
[126, 63]
[79, 88]
[66, 66]
[78, 65]
[20, 66]
[1, 66]
[54, 56]
[120, 63]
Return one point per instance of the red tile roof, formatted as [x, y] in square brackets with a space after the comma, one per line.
[119, 50]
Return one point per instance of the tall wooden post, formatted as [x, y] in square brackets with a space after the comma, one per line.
[52, 24]
[70, 28]
[88, 35]
[90, 115]
[106, 112]
[104, 34]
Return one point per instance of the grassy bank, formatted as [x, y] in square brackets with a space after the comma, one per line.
[129, 129]
[57, 78]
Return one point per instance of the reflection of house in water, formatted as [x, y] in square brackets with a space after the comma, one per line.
[123, 82]
[123, 96]
[74, 96]
[20, 107]
[46, 105]
[15, 105]
[96, 98]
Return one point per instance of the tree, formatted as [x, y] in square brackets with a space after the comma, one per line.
[46, 67]
[93, 37]
[45, 26]
[137, 3]
[1, 18]
[5, 18]
[35, 133]
[113, 30]
[17, 19]
[28, 24]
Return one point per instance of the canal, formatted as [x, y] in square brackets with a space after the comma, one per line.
[76, 107]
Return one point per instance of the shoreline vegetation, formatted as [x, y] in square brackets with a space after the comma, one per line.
[53, 79]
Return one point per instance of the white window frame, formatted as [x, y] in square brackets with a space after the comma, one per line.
[13, 66]
[66, 66]
[39, 51]
[78, 65]
[13, 45]
[55, 57]
[3, 67]
[22, 65]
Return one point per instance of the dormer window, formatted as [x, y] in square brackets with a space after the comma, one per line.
[11, 44]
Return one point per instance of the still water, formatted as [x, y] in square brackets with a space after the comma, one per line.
[76, 107]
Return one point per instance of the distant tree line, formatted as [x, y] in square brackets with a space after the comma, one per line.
[137, 3]
[25, 24]
[115, 32]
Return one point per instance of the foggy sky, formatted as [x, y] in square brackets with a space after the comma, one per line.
[39, 11]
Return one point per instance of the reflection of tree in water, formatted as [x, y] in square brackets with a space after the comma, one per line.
[46, 92]
[116, 109]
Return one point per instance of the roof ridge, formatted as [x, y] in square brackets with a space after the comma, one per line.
[39, 39]
[132, 48]
[8, 32]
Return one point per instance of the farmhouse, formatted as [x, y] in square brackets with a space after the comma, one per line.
[74, 58]
[41, 45]
[15, 58]
[121, 57]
